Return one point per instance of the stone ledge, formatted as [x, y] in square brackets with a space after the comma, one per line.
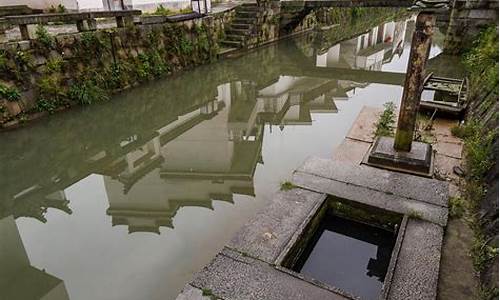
[388, 182]
[268, 233]
[417, 278]
[390, 202]
[232, 276]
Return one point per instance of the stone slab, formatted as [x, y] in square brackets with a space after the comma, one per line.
[232, 276]
[364, 125]
[443, 167]
[383, 200]
[351, 151]
[417, 269]
[269, 231]
[449, 149]
[417, 161]
[191, 293]
[407, 186]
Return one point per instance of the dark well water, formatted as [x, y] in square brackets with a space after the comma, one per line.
[129, 198]
[348, 255]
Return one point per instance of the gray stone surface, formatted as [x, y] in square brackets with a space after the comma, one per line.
[268, 233]
[392, 183]
[363, 128]
[416, 161]
[191, 293]
[232, 276]
[417, 270]
[351, 151]
[390, 202]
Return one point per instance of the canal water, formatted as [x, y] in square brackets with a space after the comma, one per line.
[128, 199]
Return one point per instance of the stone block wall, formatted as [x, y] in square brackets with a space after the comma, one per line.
[51, 73]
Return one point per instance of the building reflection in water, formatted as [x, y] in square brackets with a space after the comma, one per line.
[18, 279]
[212, 149]
[368, 51]
[189, 152]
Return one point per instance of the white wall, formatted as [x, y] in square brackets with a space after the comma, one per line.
[42, 4]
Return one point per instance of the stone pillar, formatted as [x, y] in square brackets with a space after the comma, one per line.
[415, 75]
[25, 35]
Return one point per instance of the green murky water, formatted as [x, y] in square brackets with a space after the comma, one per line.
[127, 199]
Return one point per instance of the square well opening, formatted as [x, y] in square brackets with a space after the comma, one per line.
[346, 246]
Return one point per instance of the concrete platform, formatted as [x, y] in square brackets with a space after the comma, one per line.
[418, 161]
[266, 235]
[233, 276]
[249, 267]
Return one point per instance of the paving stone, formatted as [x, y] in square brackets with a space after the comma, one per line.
[232, 276]
[364, 126]
[268, 233]
[191, 293]
[443, 165]
[417, 269]
[448, 149]
[404, 185]
[390, 202]
[351, 151]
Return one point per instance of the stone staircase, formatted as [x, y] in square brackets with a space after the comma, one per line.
[242, 27]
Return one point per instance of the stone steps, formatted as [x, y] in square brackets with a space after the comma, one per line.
[232, 44]
[236, 31]
[240, 26]
[245, 20]
[234, 37]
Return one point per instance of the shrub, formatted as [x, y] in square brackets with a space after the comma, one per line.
[43, 36]
[46, 105]
[87, 92]
[9, 93]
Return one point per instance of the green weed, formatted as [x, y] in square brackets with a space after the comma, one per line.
[43, 36]
[386, 121]
[287, 185]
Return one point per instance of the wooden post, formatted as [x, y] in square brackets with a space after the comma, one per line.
[415, 75]
[119, 22]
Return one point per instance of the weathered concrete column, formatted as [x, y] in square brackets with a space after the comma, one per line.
[25, 35]
[415, 75]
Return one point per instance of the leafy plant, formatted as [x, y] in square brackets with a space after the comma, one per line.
[87, 92]
[185, 46]
[46, 105]
[43, 36]
[9, 93]
[457, 207]
[482, 253]
[54, 64]
[386, 121]
[482, 59]
[161, 10]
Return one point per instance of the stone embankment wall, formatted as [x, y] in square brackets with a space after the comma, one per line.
[52, 73]
[467, 18]
[481, 147]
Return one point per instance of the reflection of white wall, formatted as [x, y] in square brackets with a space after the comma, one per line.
[204, 148]
[330, 58]
[44, 4]
[151, 5]
[283, 84]
[18, 279]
